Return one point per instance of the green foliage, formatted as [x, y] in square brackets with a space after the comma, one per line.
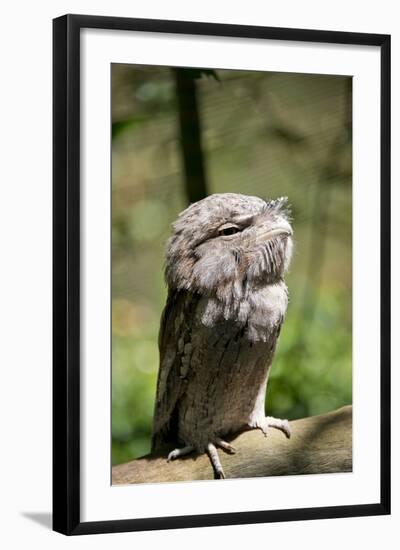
[200, 73]
[128, 124]
[312, 369]
[135, 362]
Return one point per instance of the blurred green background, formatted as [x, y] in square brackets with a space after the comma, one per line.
[264, 134]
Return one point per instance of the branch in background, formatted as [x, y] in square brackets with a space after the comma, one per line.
[319, 444]
[190, 135]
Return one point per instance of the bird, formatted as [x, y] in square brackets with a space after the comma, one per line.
[225, 263]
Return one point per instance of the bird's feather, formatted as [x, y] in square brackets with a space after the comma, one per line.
[174, 345]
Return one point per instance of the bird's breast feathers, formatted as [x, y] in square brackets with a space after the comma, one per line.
[260, 312]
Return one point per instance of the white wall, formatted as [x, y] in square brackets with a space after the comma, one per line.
[25, 252]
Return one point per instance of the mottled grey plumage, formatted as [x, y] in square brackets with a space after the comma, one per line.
[227, 299]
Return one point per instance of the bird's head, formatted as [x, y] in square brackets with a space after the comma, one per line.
[228, 243]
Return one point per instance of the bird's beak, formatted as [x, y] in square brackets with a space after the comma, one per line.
[283, 231]
[267, 234]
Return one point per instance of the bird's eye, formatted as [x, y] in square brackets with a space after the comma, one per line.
[228, 230]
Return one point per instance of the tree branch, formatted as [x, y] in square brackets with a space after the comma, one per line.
[319, 444]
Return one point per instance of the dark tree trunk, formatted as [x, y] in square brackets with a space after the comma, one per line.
[190, 135]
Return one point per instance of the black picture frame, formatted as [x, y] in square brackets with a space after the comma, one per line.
[66, 273]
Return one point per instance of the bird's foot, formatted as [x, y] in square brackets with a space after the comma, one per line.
[225, 446]
[271, 422]
[212, 452]
[213, 455]
[179, 452]
[215, 461]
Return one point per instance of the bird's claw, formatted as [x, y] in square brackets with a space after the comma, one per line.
[215, 461]
[212, 453]
[271, 422]
[225, 446]
[179, 452]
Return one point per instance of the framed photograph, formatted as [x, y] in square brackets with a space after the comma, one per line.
[221, 274]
